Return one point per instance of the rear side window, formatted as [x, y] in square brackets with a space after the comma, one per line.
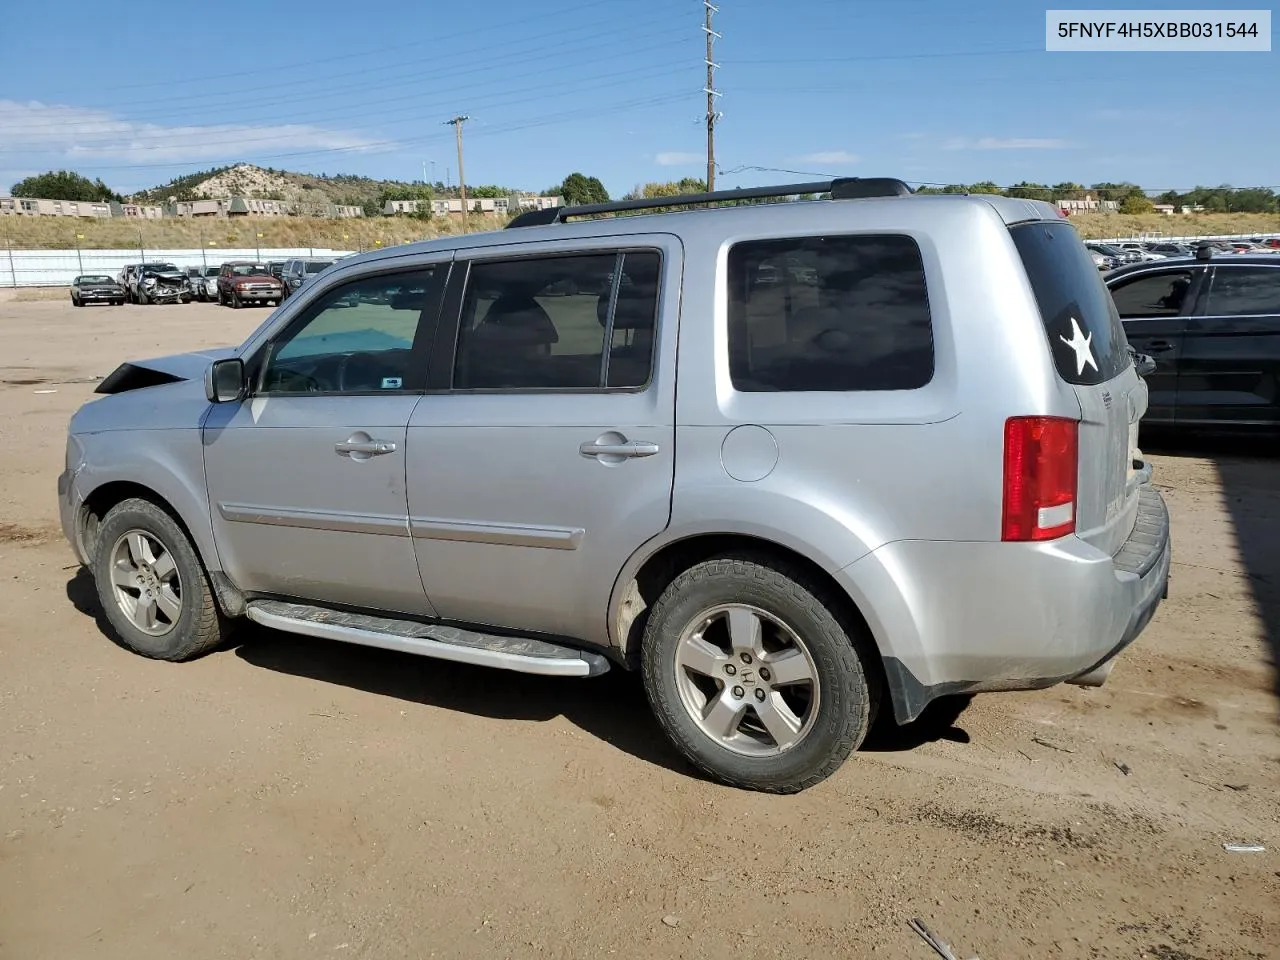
[829, 313]
[1242, 291]
[1080, 319]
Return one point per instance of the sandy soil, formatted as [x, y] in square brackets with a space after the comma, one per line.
[298, 798]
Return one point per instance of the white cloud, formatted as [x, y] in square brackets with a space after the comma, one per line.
[830, 158]
[674, 158]
[86, 133]
[1006, 143]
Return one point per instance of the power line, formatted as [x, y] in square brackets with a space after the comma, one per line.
[711, 92]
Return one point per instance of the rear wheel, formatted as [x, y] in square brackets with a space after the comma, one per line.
[754, 677]
[152, 586]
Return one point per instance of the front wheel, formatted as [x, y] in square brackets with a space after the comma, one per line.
[76, 303]
[152, 586]
[753, 675]
[236, 302]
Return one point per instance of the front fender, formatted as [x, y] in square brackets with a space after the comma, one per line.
[168, 462]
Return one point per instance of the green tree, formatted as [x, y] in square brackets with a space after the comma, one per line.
[407, 191]
[1068, 191]
[578, 189]
[64, 185]
[1136, 203]
[985, 186]
[1030, 191]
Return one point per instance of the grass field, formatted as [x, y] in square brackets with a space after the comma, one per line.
[57, 233]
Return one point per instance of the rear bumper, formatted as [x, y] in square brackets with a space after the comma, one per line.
[954, 618]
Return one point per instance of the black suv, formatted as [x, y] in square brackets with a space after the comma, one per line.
[1212, 325]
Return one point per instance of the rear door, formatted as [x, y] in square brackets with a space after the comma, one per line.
[1154, 304]
[543, 453]
[1091, 354]
[1230, 367]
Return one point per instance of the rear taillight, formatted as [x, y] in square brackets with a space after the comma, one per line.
[1040, 469]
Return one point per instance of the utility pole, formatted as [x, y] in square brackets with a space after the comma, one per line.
[457, 122]
[711, 93]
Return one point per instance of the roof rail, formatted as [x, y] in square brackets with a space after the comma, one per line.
[842, 188]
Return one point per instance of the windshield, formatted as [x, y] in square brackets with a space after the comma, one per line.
[94, 278]
[315, 266]
[159, 267]
[249, 269]
[210, 271]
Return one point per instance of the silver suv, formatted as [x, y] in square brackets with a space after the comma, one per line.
[792, 461]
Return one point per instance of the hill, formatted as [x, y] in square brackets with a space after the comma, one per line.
[248, 180]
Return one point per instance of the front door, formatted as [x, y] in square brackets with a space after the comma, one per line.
[1230, 366]
[1154, 306]
[546, 457]
[307, 475]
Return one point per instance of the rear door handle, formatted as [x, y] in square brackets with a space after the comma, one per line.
[371, 448]
[630, 449]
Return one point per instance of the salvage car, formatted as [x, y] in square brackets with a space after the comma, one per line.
[1212, 325]
[96, 288]
[158, 283]
[245, 281]
[204, 283]
[702, 465]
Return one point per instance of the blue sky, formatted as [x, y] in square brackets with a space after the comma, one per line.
[928, 90]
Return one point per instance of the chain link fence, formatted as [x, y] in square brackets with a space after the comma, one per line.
[52, 268]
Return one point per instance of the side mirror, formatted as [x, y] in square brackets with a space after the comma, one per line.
[224, 380]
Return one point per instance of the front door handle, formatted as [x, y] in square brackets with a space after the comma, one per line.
[628, 449]
[1158, 346]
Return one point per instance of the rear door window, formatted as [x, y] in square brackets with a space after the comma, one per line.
[1244, 291]
[1079, 316]
[831, 313]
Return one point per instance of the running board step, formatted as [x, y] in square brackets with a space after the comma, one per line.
[522, 654]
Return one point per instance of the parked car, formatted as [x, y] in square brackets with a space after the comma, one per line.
[1169, 249]
[1117, 256]
[1213, 327]
[243, 281]
[1141, 252]
[96, 288]
[276, 268]
[298, 271]
[204, 282]
[730, 486]
[158, 282]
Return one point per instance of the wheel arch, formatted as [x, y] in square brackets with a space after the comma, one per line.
[642, 582]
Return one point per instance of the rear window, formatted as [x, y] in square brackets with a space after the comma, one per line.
[1080, 319]
[829, 313]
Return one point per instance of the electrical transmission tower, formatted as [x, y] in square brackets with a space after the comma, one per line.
[711, 92]
[457, 122]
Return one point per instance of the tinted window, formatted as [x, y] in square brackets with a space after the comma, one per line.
[1239, 291]
[829, 313]
[1152, 295]
[1080, 319]
[315, 266]
[356, 339]
[542, 323]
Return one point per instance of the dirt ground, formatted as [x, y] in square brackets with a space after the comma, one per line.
[300, 798]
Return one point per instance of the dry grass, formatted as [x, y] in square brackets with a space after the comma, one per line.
[1099, 225]
[58, 233]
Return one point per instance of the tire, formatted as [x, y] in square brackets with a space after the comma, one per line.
[198, 626]
[236, 302]
[76, 303]
[142, 298]
[834, 654]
